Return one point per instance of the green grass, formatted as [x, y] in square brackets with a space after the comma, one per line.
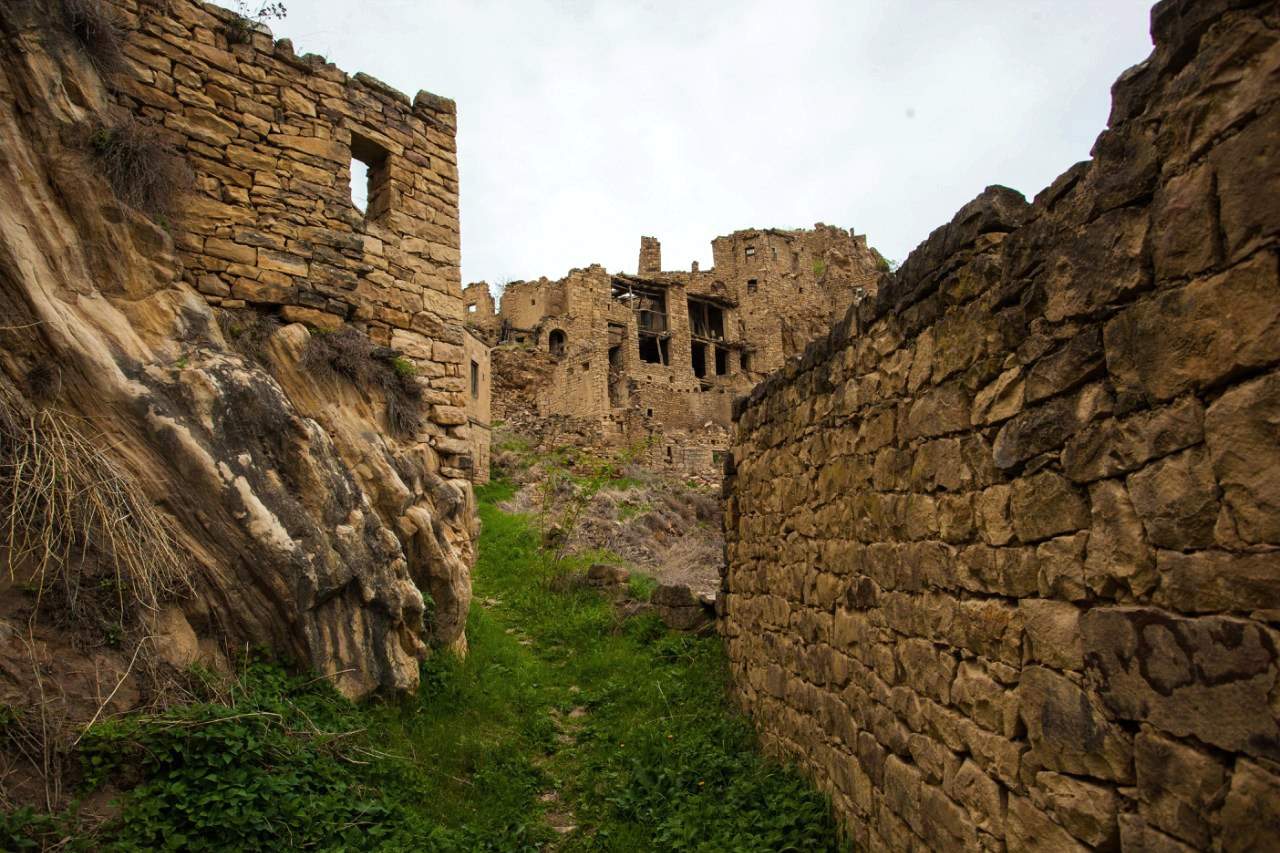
[626, 722]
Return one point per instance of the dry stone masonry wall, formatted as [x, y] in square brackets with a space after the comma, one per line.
[273, 138]
[1003, 548]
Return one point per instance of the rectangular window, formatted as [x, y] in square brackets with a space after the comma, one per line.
[475, 379]
[752, 284]
[471, 309]
[653, 349]
[745, 361]
[722, 361]
[370, 177]
[706, 320]
[699, 359]
[751, 251]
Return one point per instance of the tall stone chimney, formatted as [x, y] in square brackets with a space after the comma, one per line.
[650, 256]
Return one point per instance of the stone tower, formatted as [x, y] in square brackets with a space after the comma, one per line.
[650, 256]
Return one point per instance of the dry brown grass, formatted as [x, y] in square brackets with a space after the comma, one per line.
[348, 353]
[74, 523]
[144, 171]
[94, 26]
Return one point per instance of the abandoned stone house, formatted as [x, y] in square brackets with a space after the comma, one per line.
[661, 353]
[276, 141]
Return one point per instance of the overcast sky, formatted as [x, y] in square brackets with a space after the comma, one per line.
[583, 125]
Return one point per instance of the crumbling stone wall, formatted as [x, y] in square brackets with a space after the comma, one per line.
[772, 290]
[271, 223]
[1003, 547]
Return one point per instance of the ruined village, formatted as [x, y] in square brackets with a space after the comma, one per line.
[310, 544]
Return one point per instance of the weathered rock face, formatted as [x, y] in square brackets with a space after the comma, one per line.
[311, 528]
[1003, 548]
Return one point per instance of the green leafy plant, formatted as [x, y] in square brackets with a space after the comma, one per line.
[819, 267]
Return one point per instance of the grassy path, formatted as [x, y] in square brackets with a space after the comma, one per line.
[573, 717]
[565, 728]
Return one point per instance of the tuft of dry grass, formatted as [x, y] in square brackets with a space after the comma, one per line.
[248, 331]
[144, 171]
[94, 26]
[350, 354]
[74, 522]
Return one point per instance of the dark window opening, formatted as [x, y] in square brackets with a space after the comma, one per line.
[586, 365]
[670, 458]
[722, 361]
[699, 359]
[653, 349]
[752, 284]
[475, 379]
[648, 301]
[795, 261]
[775, 253]
[648, 413]
[556, 342]
[616, 376]
[744, 359]
[370, 177]
[706, 320]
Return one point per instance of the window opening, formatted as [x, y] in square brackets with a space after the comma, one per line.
[722, 361]
[752, 284]
[475, 379]
[744, 359]
[471, 309]
[370, 177]
[648, 413]
[706, 320]
[616, 375]
[648, 302]
[751, 251]
[653, 349]
[556, 342]
[699, 359]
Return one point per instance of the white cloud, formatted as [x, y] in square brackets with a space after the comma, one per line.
[583, 125]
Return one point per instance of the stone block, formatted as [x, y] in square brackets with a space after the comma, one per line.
[1195, 336]
[992, 510]
[1048, 426]
[1052, 633]
[1060, 567]
[1086, 810]
[1212, 581]
[1208, 677]
[1242, 432]
[1177, 500]
[1078, 360]
[1116, 446]
[1179, 786]
[1069, 730]
[1118, 555]
[1185, 238]
[1251, 813]
[1046, 505]
[1029, 829]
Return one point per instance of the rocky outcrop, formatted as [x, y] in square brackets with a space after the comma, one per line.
[310, 526]
[1002, 548]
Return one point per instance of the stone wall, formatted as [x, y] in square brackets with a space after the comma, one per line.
[1003, 547]
[272, 137]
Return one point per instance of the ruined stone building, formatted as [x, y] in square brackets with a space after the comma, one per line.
[663, 353]
[1004, 546]
[274, 140]
[328, 520]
